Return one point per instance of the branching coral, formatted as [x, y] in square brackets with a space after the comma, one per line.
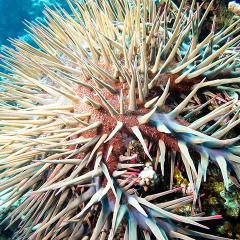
[92, 116]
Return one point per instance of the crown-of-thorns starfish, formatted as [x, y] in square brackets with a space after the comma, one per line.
[110, 73]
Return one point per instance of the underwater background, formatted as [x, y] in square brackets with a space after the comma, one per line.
[14, 12]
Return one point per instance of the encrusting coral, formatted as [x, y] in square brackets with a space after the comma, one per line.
[110, 98]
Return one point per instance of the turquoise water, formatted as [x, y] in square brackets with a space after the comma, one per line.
[14, 12]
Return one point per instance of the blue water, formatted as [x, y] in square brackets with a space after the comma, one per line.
[14, 12]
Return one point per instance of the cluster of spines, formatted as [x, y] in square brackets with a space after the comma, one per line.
[37, 135]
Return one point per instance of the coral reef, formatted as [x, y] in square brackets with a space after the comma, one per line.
[219, 201]
[109, 125]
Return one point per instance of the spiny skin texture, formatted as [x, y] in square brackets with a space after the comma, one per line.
[110, 99]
